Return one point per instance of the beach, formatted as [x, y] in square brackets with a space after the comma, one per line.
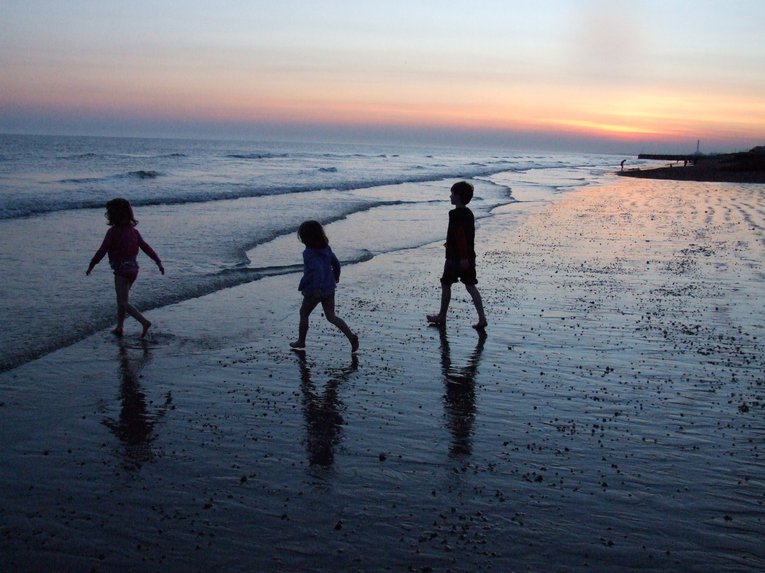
[610, 419]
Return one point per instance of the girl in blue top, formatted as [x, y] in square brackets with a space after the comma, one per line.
[321, 272]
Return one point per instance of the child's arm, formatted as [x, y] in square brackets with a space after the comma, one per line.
[335, 268]
[308, 281]
[460, 240]
[102, 250]
[150, 252]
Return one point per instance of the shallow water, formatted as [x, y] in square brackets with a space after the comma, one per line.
[220, 214]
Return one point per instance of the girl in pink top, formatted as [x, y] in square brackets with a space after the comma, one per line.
[122, 242]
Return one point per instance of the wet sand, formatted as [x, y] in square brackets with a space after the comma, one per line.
[612, 418]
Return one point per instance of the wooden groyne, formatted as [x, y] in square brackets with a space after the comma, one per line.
[665, 157]
[687, 159]
[741, 167]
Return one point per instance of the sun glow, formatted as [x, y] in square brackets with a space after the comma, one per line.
[595, 127]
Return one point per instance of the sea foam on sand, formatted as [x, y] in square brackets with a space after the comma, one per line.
[611, 418]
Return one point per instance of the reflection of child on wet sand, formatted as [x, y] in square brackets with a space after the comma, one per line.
[321, 273]
[122, 242]
[460, 255]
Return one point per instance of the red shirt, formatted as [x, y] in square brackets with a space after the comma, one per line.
[122, 244]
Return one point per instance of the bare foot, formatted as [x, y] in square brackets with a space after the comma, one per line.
[297, 345]
[481, 325]
[146, 328]
[354, 343]
[436, 320]
[117, 331]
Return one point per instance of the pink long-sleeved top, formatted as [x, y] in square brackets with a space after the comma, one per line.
[122, 244]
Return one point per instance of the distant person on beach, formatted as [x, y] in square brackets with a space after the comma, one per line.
[623, 160]
[122, 242]
[321, 273]
[460, 255]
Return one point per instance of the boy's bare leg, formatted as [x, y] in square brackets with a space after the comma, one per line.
[478, 302]
[446, 297]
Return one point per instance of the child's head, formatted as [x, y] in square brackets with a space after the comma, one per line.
[311, 234]
[119, 213]
[464, 191]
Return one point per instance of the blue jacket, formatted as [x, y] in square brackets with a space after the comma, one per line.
[321, 272]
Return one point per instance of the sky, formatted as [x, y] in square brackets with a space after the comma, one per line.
[579, 75]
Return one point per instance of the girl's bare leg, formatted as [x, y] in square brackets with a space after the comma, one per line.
[305, 311]
[122, 288]
[328, 304]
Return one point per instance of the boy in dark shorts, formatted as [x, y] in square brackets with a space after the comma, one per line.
[460, 255]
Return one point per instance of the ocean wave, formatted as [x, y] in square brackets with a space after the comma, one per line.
[20, 206]
[328, 169]
[257, 155]
[354, 155]
[140, 174]
[78, 156]
[15, 205]
[81, 180]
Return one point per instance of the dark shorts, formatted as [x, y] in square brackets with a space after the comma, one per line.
[315, 298]
[454, 271]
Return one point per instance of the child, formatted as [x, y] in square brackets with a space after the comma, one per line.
[460, 255]
[321, 272]
[122, 242]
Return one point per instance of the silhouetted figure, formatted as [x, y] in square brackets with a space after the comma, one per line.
[135, 426]
[459, 396]
[623, 160]
[459, 253]
[121, 243]
[321, 273]
[322, 411]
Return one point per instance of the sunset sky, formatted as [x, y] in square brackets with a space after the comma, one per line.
[580, 75]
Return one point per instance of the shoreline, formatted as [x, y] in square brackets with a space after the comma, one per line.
[610, 418]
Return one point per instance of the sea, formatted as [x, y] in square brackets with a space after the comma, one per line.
[223, 213]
